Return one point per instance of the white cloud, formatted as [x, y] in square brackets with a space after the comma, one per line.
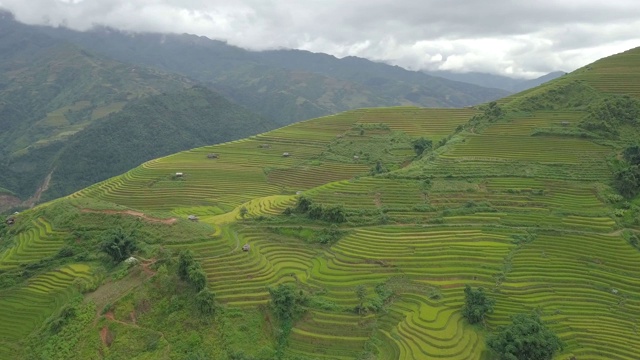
[521, 38]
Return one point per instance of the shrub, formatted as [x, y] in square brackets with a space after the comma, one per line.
[118, 244]
[197, 277]
[205, 301]
[185, 260]
[525, 338]
[476, 305]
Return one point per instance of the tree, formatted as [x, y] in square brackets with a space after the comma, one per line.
[118, 244]
[303, 205]
[243, 212]
[286, 302]
[334, 214]
[493, 111]
[421, 145]
[205, 300]
[316, 212]
[476, 305]
[197, 277]
[526, 338]
[632, 154]
[378, 168]
[627, 181]
[185, 261]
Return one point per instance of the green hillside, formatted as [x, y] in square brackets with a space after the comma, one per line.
[51, 90]
[361, 238]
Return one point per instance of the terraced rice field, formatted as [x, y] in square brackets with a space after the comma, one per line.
[616, 74]
[586, 285]
[255, 167]
[434, 123]
[455, 218]
[37, 242]
[26, 308]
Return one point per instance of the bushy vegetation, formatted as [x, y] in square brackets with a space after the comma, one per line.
[609, 114]
[526, 337]
[333, 214]
[118, 244]
[476, 305]
[627, 176]
[190, 270]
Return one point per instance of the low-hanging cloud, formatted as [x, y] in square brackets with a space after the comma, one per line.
[517, 38]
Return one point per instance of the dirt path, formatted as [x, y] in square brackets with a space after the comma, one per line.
[146, 269]
[141, 215]
[105, 336]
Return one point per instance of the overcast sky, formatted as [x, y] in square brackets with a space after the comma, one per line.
[522, 38]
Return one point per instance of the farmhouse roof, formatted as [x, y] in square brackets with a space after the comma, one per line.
[246, 247]
[192, 217]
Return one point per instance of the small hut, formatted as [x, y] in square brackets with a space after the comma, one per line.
[356, 157]
[246, 247]
[192, 218]
[265, 146]
[565, 123]
[179, 174]
[10, 221]
[212, 156]
[286, 154]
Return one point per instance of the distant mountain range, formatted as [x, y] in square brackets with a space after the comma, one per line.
[497, 81]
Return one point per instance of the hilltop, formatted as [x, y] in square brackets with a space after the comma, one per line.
[361, 238]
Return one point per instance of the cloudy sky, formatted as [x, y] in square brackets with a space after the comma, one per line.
[521, 38]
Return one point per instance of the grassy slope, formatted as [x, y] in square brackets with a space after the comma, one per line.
[490, 185]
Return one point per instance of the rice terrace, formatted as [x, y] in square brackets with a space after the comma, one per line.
[359, 235]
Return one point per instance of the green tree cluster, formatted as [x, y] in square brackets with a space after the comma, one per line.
[118, 243]
[421, 145]
[190, 270]
[476, 305]
[332, 214]
[287, 302]
[525, 338]
[627, 177]
[607, 115]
